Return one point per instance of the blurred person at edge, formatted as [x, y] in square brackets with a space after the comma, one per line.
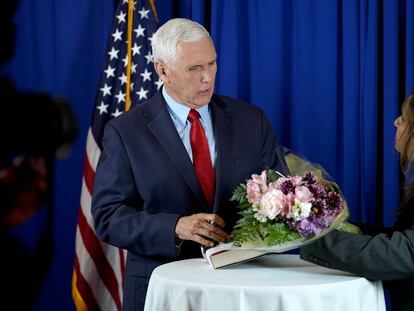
[35, 129]
[148, 198]
[378, 253]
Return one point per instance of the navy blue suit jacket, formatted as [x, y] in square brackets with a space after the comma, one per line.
[145, 181]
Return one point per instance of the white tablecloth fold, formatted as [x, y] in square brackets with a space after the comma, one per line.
[271, 283]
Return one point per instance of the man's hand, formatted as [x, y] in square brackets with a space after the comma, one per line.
[202, 228]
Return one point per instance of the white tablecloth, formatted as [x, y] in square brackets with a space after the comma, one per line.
[275, 282]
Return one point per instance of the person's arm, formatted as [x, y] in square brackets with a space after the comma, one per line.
[120, 216]
[373, 229]
[118, 209]
[377, 257]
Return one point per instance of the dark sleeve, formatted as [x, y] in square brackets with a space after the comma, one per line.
[119, 214]
[378, 257]
[373, 229]
[272, 154]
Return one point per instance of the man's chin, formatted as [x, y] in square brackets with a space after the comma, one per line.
[202, 101]
[206, 98]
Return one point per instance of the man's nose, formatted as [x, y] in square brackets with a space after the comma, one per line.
[206, 76]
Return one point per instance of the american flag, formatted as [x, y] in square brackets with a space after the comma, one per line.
[98, 267]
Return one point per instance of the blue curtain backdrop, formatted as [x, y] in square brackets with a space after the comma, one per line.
[329, 74]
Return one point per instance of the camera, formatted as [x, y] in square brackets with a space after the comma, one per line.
[34, 124]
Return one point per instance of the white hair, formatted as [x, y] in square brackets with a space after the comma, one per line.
[167, 37]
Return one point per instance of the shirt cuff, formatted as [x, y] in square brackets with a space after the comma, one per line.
[178, 243]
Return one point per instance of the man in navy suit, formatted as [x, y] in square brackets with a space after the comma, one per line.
[152, 197]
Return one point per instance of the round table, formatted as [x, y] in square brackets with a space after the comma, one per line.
[274, 282]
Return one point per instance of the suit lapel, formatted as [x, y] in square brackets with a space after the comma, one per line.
[161, 126]
[222, 133]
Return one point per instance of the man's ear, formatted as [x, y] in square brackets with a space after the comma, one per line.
[161, 70]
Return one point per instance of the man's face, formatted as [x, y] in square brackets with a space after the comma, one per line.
[190, 79]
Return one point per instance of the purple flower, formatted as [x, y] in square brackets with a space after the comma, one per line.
[313, 226]
[308, 228]
[318, 191]
[287, 186]
[309, 179]
[303, 203]
[334, 201]
[318, 206]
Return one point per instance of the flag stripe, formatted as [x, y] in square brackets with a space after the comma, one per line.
[106, 271]
[87, 298]
[99, 268]
[92, 150]
[116, 259]
[90, 274]
[88, 174]
[85, 205]
[122, 264]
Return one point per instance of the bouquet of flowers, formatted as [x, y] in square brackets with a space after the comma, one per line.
[279, 213]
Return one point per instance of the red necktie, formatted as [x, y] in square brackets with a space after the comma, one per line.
[201, 156]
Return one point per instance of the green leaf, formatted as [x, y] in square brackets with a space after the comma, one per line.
[245, 205]
[247, 228]
[239, 194]
[278, 233]
[272, 176]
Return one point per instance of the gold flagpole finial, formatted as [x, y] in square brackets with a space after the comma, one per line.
[154, 9]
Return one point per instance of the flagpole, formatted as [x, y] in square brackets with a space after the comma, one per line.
[99, 268]
[128, 69]
[154, 9]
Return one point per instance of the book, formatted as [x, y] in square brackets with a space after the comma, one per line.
[223, 255]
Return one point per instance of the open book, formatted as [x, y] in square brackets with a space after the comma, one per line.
[222, 255]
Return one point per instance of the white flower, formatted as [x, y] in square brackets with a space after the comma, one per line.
[271, 203]
[260, 217]
[301, 210]
[306, 208]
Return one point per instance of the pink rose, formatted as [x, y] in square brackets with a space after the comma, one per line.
[296, 180]
[289, 201]
[272, 203]
[303, 195]
[276, 184]
[256, 187]
[275, 203]
[254, 193]
[261, 180]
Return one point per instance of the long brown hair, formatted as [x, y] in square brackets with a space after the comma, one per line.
[406, 149]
